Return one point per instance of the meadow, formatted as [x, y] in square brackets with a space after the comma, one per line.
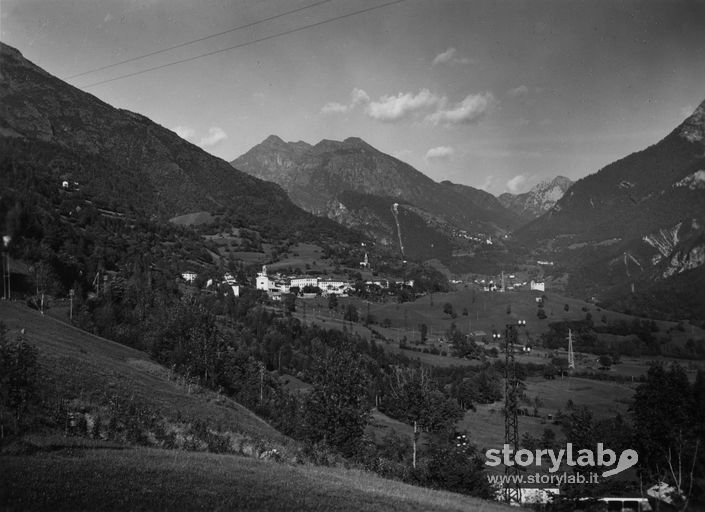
[151, 479]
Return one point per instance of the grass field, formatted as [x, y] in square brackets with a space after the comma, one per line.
[604, 399]
[47, 471]
[87, 369]
[149, 479]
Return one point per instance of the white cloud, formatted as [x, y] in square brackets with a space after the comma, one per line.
[444, 57]
[423, 105]
[215, 135]
[487, 183]
[185, 132]
[334, 107]
[403, 105]
[521, 90]
[471, 110]
[440, 153]
[357, 97]
[515, 184]
[449, 57]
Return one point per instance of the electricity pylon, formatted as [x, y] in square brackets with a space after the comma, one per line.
[512, 487]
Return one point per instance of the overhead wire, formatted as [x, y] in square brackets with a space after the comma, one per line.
[242, 45]
[200, 39]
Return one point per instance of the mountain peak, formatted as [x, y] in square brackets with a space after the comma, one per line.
[693, 128]
[273, 140]
[356, 141]
[541, 198]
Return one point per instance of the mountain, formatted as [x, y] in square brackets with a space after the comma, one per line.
[537, 201]
[634, 232]
[126, 160]
[332, 179]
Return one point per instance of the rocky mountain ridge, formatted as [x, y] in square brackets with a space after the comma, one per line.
[330, 177]
[627, 231]
[537, 201]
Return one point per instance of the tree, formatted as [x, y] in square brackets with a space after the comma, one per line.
[351, 313]
[605, 361]
[448, 310]
[333, 302]
[667, 425]
[336, 411]
[454, 468]
[415, 399]
[19, 371]
[423, 329]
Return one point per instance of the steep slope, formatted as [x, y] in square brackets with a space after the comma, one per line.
[124, 158]
[635, 224]
[537, 201]
[324, 179]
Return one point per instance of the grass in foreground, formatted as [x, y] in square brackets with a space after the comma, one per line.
[150, 479]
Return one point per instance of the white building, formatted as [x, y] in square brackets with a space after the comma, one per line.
[302, 282]
[538, 286]
[189, 276]
[263, 282]
[334, 286]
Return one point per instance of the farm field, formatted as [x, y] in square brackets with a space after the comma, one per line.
[604, 399]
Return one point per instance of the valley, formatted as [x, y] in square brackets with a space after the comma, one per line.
[325, 327]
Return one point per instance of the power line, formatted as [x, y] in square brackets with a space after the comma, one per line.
[181, 45]
[242, 45]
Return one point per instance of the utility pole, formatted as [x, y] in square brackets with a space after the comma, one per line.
[512, 489]
[71, 292]
[6, 272]
[571, 355]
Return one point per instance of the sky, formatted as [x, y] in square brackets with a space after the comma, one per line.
[495, 94]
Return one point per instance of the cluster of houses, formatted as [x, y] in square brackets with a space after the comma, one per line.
[278, 284]
[510, 285]
[228, 279]
[307, 286]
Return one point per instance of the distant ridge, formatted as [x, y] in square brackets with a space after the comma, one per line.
[325, 177]
[537, 201]
[635, 230]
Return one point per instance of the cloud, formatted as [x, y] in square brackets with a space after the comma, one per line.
[471, 110]
[334, 107]
[449, 57]
[521, 90]
[444, 57]
[440, 153]
[403, 105]
[215, 136]
[515, 184]
[357, 97]
[185, 132]
[487, 183]
[423, 105]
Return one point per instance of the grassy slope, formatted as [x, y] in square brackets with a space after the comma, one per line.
[76, 364]
[75, 474]
[148, 479]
